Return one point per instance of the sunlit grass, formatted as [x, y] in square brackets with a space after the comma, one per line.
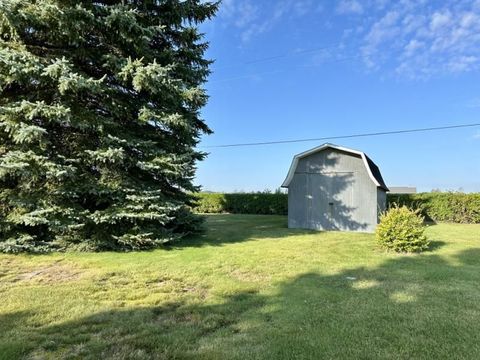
[248, 288]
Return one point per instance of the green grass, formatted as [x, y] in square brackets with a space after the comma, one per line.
[249, 288]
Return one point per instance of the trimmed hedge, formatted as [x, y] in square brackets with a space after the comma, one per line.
[242, 203]
[442, 207]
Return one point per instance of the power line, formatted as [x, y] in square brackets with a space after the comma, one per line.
[343, 136]
[332, 61]
[281, 56]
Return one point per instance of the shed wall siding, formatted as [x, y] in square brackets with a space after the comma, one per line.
[381, 202]
[331, 190]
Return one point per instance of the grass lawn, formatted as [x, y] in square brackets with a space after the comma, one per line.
[249, 288]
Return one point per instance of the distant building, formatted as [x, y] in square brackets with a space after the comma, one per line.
[334, 188]
[402, 190]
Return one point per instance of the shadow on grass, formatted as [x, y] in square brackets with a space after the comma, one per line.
[409, 307]
[229, 228]
[435, 245]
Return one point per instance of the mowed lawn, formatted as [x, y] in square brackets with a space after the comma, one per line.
[249, 288]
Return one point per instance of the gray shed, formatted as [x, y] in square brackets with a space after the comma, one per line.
[334, 188]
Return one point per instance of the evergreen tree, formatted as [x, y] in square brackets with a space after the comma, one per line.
[99, 118]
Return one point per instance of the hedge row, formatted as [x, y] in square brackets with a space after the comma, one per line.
[242, 203]
[443, 207]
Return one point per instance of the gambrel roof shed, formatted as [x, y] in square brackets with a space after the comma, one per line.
[372, 168]
[331, 187]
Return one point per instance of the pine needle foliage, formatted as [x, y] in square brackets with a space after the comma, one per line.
[99, 117]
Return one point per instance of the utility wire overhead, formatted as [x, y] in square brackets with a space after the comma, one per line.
[343, 136]
[281, 56]
[246, 76]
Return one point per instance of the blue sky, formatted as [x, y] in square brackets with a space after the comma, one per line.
[288, 69]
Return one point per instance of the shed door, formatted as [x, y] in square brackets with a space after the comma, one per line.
[330, 200]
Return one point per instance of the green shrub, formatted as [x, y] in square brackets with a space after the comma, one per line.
[242, 203]
[443, 207]
[209, 203]
[401, 229]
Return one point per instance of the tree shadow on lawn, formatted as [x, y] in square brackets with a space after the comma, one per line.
[419, 306]
[228, 228]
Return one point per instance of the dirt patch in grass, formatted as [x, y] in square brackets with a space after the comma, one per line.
[178, 286]
[52, 274]
[249, 276]
[57, 272]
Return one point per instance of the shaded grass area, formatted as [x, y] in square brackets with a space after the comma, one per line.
[248, 288]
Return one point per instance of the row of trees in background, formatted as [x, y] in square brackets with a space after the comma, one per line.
[446, 207]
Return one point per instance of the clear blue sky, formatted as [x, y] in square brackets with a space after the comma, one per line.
[343, 67]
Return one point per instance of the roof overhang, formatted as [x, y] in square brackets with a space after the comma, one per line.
[296, 159]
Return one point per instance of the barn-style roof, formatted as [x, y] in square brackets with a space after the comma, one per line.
[372, 169]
